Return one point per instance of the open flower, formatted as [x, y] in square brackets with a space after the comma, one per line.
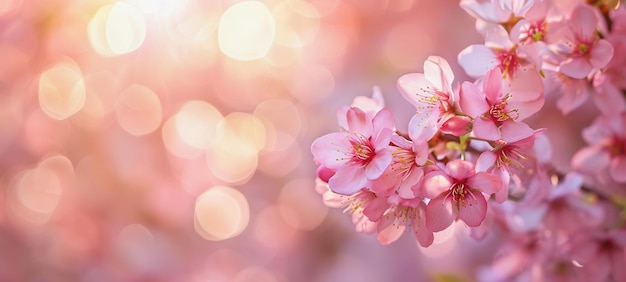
[359, 155]
[579, 42]
[456, 192]
[431, 94]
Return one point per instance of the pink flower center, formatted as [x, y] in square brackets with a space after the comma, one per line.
[459, 191]
[536, 32]
[362, 150]
[500, 114]
[582, 49]
[403, 161]
[617, 146]
[508, 154]
[508, 62]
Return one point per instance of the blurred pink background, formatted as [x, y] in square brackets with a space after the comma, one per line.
[168, 140]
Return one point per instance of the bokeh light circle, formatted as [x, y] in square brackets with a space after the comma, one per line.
[61, 90]
[117, 29]
[139, 110]
[221, 213]
[246, 31]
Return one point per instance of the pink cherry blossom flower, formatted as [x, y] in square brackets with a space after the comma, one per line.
[607, 149]
[408, 214]
[456, 192]
[493, 107]
[359, 155]
[357, 204]
[490, 13]
[371, 106]
[516, 143]
[578, 40]
[533, 27]
[405, 173]
[431, 94]
[602, 254]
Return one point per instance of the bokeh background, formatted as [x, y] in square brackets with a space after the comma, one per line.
[168, 140]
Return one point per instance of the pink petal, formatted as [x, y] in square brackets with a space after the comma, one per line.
[472, 100]
[389, 230]
[492, 85]
[572, 99]
[515, 131]
[485, 161]
[502, 194]
[383, 119]
[359, 122]
[459, 169]
[477, 59]
[422, 234]
[408, 186]
[583, 22]
[576, 67]
[498, 38]
[609, 99]
[378, 164]
[485, 182]
[601, 54]
[347, 180]
[618, 169]
[591, 159]
[376, 208]
[435, 183]
[485, 128]
[331, 149]
[382, 139]
[438, 72]
[528, 108]
[475, 209]
[440, 213]
[412, 86]
[422, 126]
[526, 85]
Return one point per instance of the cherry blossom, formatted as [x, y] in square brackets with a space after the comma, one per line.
[578, 40]
[358, 155]
[607, 149]
[456, 192]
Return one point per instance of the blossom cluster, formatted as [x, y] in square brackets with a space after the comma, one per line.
[470, 154]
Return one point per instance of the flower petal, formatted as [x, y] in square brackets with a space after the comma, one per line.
[331, 149]
[359, 122]
[440, 213]
[601, 54]
[485, 182]
[422, 126]
[378, 164]
[438, 72]
[459, 169]
[477, 59]
[576, 67]
[472, 100]
[388, 230]
[591, 159]
[435, 183]
[423, 236]
[474, 210]
[347, 180]
[618, 169]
